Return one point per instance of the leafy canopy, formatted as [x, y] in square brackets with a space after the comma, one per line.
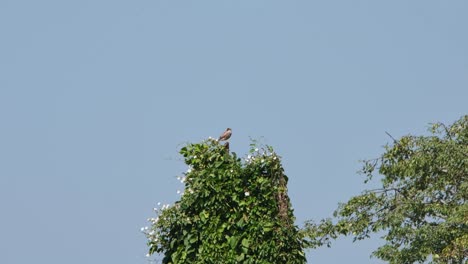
[421, 204]
[232, 211]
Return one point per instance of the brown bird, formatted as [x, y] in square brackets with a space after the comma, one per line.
[226, 135]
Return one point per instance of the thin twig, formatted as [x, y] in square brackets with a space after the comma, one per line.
[394, 140]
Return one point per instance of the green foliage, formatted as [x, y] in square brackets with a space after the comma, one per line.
[421, 205]
[232, 211]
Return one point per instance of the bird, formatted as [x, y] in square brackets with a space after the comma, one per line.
[226, 135]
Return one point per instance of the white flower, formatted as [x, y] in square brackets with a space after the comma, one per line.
[178, 191]
[189, 169]
[142, 229]
[247, 193]
[159, 203]
[148, 255]
[263, 160]
[232, 171]
[256, 149]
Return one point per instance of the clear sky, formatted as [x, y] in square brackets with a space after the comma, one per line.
[96, 98]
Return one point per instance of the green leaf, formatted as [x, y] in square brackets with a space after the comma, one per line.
[233, 242]
[245, 242]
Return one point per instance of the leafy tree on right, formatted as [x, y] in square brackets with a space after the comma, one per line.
[420, 206]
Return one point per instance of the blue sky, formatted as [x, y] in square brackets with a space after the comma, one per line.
[96, 98]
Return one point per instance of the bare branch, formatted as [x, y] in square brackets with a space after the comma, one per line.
[394, 140]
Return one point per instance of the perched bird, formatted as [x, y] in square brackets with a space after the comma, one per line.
[226, 135]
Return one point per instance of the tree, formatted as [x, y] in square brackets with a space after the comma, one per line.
[232, 211]
[421, 205]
